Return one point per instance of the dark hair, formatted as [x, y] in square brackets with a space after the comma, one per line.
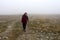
[25, 13]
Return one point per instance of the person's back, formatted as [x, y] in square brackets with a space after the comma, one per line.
[24, 18]
[24, 21]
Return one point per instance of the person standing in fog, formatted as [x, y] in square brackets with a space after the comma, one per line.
[24, 21]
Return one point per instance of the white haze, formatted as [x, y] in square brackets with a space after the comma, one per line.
[9, 7]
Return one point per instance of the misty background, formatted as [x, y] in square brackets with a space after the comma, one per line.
[11, 7]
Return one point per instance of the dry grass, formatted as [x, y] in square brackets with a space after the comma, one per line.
[44, 24]
[15, 32]
[3, 26]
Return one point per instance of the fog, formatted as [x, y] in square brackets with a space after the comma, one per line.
[11, 7]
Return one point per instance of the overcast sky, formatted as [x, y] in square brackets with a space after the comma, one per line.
[29, 6]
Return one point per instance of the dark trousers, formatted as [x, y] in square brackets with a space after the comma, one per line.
[24, 26]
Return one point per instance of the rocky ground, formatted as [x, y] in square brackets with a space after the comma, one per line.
[16, 33]
[4, 35]
[38, 35]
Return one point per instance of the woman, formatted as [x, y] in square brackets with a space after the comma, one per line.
[24, 21]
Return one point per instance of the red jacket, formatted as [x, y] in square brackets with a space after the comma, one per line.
[24, 19]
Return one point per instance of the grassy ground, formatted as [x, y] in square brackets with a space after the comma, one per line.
[35, 25]
[15, 32]
[3, 26]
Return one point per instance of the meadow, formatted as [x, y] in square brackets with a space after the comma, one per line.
[39, 27]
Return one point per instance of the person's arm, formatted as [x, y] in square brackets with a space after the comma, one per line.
[21, 18]
[27, 18]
